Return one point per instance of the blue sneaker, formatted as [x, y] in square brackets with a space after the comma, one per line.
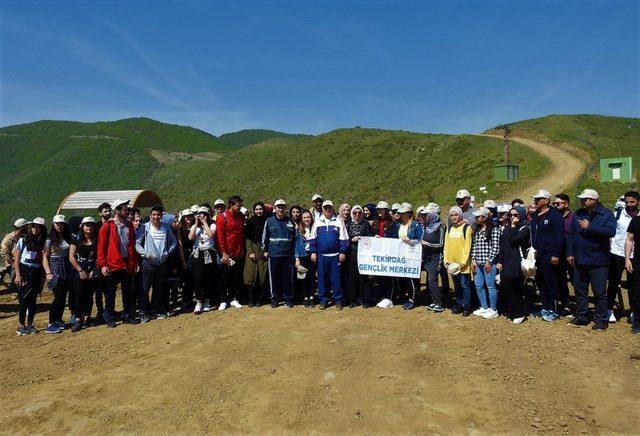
[22, 331]
[61, 325]
[145, 319]
[408, 305]
[52, 329]
[549, 315]
[72, 320]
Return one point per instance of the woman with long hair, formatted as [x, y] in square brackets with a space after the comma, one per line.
[82, 256]
[295, 213]
[185, 247]
[255, 264]
[27, 264]
[58, 270]
[305, 277]
[410, 232]
[486, 244]
[203, 260]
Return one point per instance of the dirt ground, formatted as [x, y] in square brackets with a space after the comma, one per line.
[302, 370]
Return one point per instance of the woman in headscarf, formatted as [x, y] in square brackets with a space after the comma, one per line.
[432, 250]
[369, 211]
[255, 264]
[358, 286]
[457, 258]
[514, 241]
[344, 213]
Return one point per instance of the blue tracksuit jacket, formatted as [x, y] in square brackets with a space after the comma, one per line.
[591, 245]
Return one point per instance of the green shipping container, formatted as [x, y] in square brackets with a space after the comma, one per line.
[503, 173]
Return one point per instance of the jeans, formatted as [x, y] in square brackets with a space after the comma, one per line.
[596, 275]
[462, 286]
[489, 279]
[152, 277]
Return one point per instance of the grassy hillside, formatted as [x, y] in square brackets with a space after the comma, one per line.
[596, 136]
[352, 165]
[242, 138]
[46, 160]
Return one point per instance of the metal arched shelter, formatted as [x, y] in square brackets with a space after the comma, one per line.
[85, 200]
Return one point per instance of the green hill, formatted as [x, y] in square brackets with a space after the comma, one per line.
[242, 138]
[46, 160]
[595, 136]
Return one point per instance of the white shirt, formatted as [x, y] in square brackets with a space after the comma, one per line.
[617, 242]
[203, 242]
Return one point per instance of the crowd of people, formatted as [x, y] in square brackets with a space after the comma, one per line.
[512, 259]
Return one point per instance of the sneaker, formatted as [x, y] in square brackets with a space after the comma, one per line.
[480, 312]
[222, 306]
[408, 305]
[72, 319]
[518, 320]
[549, 316]
[611, 316]
[438, 309]
[235, 304]
[198, 309]
[131, 320]
[75, 328]
[52, 329]
[456, 310]
[385, 303]
[61, 325]
[599, 326]
[22, 331]
[145, 319]
[32, 329]
[323, 306]
[111, 324]
[578, 322]
[162, 315]
[289, 305]
[490, 314]
[635, 329]
[207, 306]
[466, 312]
[252, 304]
[536, 314]
[430, 306]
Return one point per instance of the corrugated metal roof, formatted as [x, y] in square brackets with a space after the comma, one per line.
[83, 200]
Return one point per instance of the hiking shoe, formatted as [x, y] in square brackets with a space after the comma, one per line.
[198, 309]
[234, 303]
[22, 331]
[480, 312]
[408, 305]
[599, 326]
[207, 306]
[578, 322]
[32, 329]
[75, 328]
[52, 329]
[490, 314]
[611, 316]
[222, 306]
[519, 320]
[323, 306]
[339, 306]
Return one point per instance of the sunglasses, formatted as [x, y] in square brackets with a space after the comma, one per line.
[558, 203]
[514, 214]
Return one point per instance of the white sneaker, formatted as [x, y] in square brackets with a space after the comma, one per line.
[480, 312]
[490, 314]
[235, 304]
[198, 308]
[207, 306]
[612, 317]
[222, 306]
[385, 303]
[518, 320]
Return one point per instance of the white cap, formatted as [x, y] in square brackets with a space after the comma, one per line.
[243, 210]
[433, 207]
[316, 197]
[382, 205]
[218, 202]
[88, 219]
[38, 221]
[589, 193]
[327, 203]
[59, 219]
[422, 210]
[542, 193]
[20, 222]
[463, 193]
[490, 204]
[405, 208]
[204, 209]
[482, 211]
[118, 202]
[279, 202]
[194, 208]
[504, 208]
[396, 206]
[186, 212]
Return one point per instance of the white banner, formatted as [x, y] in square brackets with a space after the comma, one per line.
[389, 257]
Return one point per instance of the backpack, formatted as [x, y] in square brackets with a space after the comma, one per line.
[464, 230]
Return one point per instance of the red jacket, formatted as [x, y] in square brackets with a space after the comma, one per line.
[109, 248]
[230, 234]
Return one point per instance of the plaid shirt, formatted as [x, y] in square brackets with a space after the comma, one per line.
[485, 250]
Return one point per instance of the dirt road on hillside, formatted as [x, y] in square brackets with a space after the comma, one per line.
[566, 170]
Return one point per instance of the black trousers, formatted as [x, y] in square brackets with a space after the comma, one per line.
[564, 273]
[205, 278]
[233, 280]
[358, 285]
[125, 280]
[152, 277]
[83, 291]
[305, 287]
[101, 287]
[616, 268]
[634, 294]
[28, 293]
[56, 309]
[512, 290]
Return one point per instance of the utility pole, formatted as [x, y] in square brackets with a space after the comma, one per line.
[507, 144]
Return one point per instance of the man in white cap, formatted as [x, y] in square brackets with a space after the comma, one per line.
[588, 251]
[328, 244]
[547, 234]
[9, 243]
[463, 201]
[317, 206]
[117, 259]
[278, 241]
[219, 207]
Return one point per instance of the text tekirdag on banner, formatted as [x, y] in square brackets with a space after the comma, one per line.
[389, 257]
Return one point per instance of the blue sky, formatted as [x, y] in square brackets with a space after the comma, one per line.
[313, 66]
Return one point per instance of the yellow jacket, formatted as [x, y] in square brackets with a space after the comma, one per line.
[457, 246]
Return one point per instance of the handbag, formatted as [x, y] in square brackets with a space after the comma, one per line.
[528, 263]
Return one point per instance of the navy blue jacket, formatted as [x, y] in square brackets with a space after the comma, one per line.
[279, 237]
[547, 234]
[591, 245]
